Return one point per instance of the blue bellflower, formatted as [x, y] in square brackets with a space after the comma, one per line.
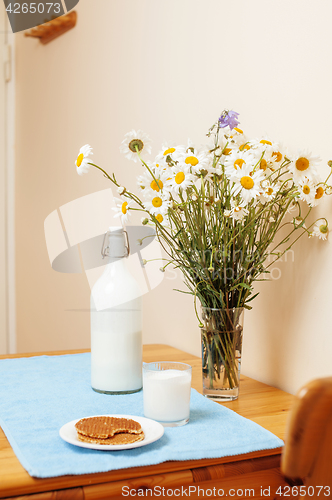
[228, 119]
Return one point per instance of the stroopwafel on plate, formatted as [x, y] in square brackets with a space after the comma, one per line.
[104, 427]
[120, 438]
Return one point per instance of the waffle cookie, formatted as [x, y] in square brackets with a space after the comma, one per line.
[104, 427]
[120, 438]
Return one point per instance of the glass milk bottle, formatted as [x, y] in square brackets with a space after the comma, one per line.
[116, 323]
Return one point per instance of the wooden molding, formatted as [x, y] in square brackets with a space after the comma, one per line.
[52, 29]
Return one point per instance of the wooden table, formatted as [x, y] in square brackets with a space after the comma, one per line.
[261, 403]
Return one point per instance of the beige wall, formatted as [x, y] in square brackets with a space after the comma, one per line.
[169, 67]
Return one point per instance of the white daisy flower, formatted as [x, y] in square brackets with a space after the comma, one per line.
[307, 190]
[238, 160]
[320, 191]
[157, 184]
[245, 146]
[292, 206]
[271, 160]
[232, 133]
[277, 157]
[321, 229]
[304, 165]
[237, 139]
[162, 218]
[180, 178]
[157, 204]
[247, 183]
[82, 159]
[263, 164]
[170, 151]
[223, 147]
[298, 221]
[270, 192]
[238, 211]
[198, 161]
[134, 143]
[261, 198]
[122, 209]
[143, 181]
[264, 144]
[158, 166]
[242, 141]
[226, 151]
[154, 185]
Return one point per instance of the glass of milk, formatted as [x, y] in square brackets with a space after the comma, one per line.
[166, 392]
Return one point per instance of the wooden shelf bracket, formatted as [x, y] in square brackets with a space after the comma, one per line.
[54, 28]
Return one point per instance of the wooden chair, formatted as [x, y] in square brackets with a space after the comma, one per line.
[307, 455]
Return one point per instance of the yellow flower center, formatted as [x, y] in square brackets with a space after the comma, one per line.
[306, 189]
[157, 202]
[263, 164]
[278, 156]
[169, 151]
[319, 192]
[238, 130]
[227, 151]
[238, 163]
[180, 177]
[237, 209]
[244, 146]
[247, 182]
[302, 164]
[263, 141]
[191, 160]
[80, 159]
[156, 186]
[159, 218]
[124, 207]
[323, 228]
[269, 191]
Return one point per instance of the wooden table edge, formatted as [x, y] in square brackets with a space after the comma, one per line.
[39, 485]
[36, 485]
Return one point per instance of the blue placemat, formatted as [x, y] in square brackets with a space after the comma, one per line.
[40, 394]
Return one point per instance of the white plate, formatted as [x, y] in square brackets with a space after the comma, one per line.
[152, 430]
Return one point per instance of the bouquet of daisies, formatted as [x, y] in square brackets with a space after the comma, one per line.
[218, 211]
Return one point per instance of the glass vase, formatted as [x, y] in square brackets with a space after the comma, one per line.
[221, 352]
